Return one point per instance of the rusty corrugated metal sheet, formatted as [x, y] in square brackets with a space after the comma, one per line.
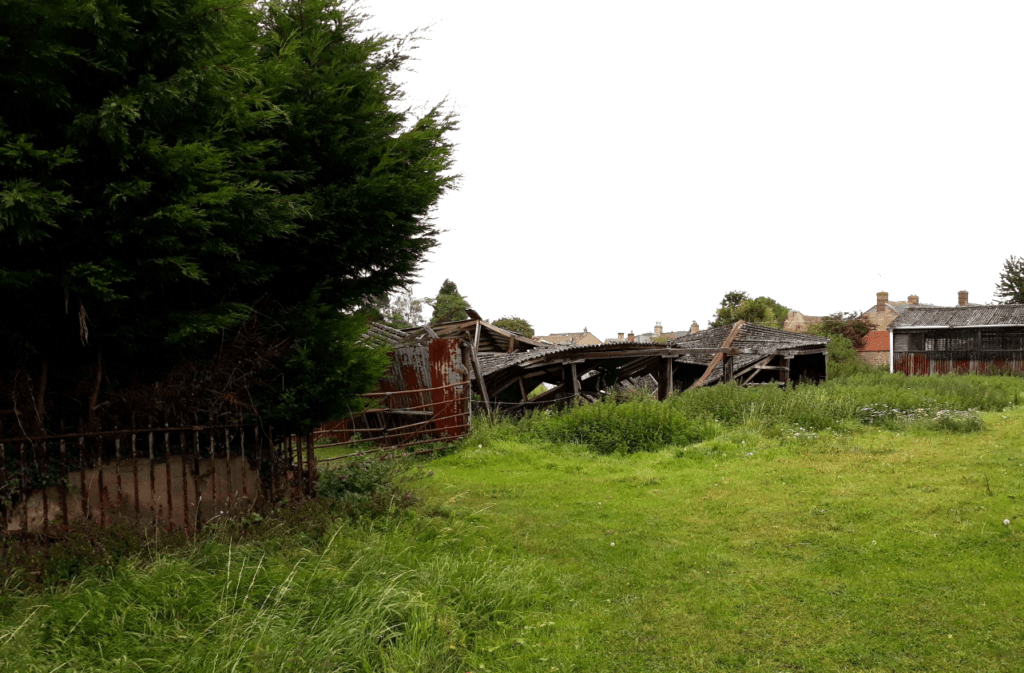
[446, 369]
[924, 364]
[409, 370]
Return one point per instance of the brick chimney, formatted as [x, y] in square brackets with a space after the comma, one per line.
[962, 294]
[657, 329]
[883, 299]
[622, 335]
[913, 299]
[694, 328]
[631, 336]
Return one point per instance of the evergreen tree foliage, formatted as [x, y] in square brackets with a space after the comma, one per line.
[1010, 288]
[174, 171]
[449, 305]
[739, 306]
[515, 324]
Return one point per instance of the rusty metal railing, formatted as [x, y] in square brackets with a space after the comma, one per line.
[391, 428]
[175, 478]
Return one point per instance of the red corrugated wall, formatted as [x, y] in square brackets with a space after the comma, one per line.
[922, 364]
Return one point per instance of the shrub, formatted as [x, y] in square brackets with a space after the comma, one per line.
[607, 427]
[371, 487]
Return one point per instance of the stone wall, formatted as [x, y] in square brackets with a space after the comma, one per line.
[875, 357]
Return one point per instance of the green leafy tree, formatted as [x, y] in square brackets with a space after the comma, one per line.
[401, 310]
[848, 325]
[173, 172]
[1010, 288]
[515, 324]
[449, 305]
[739, 306]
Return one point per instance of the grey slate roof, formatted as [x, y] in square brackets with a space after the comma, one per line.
[765, 340]
[752, 336]
[960, 316]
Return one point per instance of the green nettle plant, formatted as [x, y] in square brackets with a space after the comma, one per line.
[180, 178]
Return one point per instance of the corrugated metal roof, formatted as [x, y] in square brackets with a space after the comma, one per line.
[960, 316]
[378, 334]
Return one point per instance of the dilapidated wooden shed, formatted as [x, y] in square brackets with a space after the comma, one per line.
[958, 339]
[750, 353]
[742, 352]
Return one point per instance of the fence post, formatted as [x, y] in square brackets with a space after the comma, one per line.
[44, 479]
[184, 480]
[311, 471]
[167, 478]
[3, 484]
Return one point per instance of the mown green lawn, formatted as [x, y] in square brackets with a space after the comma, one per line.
[875, 551]
[752, 551]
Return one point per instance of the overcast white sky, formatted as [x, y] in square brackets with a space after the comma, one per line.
[630, 163]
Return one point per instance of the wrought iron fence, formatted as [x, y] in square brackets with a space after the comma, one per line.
[176, 478]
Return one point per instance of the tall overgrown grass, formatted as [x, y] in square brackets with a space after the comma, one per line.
[867, 398]
[353, 599]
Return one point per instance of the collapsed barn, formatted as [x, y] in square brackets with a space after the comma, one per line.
[958, 339]
[742, 352]
[425, 394]
[751, 354]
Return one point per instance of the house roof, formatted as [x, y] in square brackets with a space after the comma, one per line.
[960, 316]
[569, 337]
[875, 341]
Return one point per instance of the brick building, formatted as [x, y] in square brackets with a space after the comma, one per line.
[960, 339]
[875, 348]
[798, 322]
[584, 338]
[880, 316]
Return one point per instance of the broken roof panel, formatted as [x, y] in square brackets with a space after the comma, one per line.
[757, 341]
[492, 339]
[378, 334]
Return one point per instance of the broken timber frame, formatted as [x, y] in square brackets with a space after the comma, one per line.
[724, 356]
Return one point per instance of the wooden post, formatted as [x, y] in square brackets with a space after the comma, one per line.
[476, 339]
[665, 382]
[480, 375]
[311, 466]
[522, 388]
[573, 380]
[785, 371]
[727, 361]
